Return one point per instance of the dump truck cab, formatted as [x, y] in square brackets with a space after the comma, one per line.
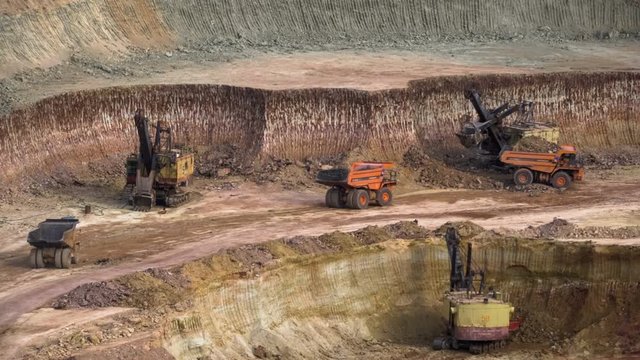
[559, 169]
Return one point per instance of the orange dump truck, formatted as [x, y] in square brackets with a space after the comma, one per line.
[558, 169]
[360, 184]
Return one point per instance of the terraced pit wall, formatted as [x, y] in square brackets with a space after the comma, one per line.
[339, 304]
[46, 33]
[594, 112]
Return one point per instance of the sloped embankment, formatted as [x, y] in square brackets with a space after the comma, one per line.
[596, 112]
[392, 293]
[45, 33]
[341, 295]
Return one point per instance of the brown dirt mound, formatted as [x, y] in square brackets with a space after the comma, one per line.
[407, 230]
[151, 287]
[251, 256]
[606, 159]
[435, 173]
[309, 245]
[560, 228]
[535, 144]
[466, 229]
[97, 294]
[371, 235]
[172, 278]
[225, 160]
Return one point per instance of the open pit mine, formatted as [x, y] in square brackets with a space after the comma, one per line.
[319, 179]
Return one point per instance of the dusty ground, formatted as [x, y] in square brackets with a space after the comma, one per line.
[58, 46]
[117, 241]
[367, 69]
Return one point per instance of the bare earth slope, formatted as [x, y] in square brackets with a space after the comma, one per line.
[290, 82]
[48, 34]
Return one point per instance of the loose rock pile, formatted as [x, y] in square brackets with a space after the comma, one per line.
[535, 144]
[560, 228]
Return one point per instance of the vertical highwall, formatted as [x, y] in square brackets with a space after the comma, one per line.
[45, 33]
[394, 292]
[315, 122]
[594, 111]
[77, 128]
[325, 122]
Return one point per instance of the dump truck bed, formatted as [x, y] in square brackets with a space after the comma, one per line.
[359, 174]
[333, 177]
[51, 232]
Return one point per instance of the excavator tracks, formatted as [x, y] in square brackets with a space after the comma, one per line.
[176, 199]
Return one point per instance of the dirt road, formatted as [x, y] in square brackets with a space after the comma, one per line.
[253, 214]
[358, 69]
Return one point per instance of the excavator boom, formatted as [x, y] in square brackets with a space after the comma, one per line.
[486, 132]
[161, 170]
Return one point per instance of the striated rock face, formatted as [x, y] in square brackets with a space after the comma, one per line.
[594, 111]
[45, 33]
[393, 292]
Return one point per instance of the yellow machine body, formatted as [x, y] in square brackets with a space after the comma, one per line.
[176, 168]
[477, 320]
[516, 133]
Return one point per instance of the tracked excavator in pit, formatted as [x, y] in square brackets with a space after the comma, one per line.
[480, 320]
[161, 171]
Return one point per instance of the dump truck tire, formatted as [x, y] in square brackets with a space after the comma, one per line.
[339, 198]
[32, 258]
[57, 258]
[384, 197]
[39, 259]
[66, 258]
[350, 196]
[360, 199]
[328, 198]
[333, 198]
[561, 180]
[523, 177]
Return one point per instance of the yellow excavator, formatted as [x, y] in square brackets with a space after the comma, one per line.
[479, 321]
[161, 172]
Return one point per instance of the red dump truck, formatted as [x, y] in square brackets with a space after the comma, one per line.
[558, 169]
[359, 185]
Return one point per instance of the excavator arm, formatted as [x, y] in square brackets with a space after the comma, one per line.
[487, 131]
[144, 195]
[145, 149]
[462, 275]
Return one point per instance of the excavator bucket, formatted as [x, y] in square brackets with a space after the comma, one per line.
[469, 136]
[143, 202]
[144, 197]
